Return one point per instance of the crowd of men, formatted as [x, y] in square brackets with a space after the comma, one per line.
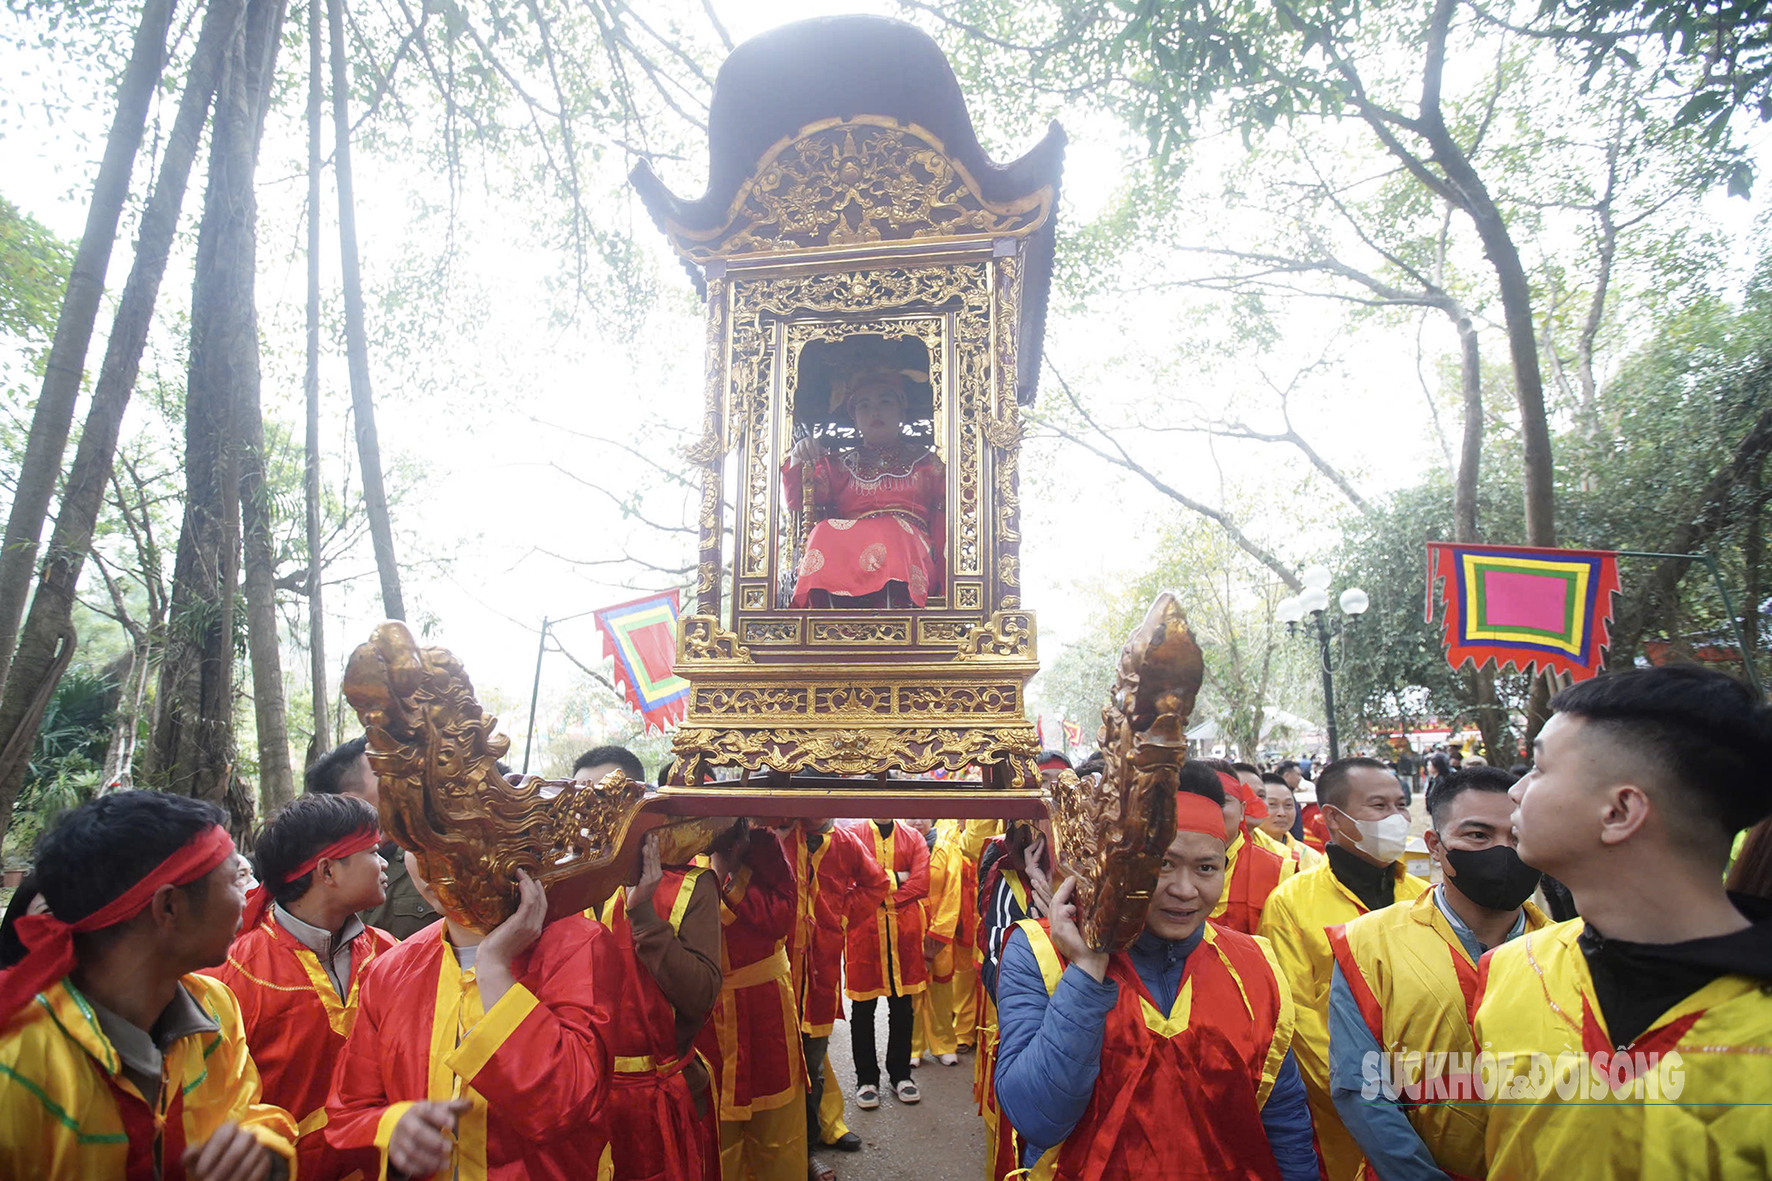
[1297, 1006]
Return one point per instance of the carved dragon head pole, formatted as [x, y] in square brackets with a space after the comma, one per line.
[1112, 829]
[435, 753]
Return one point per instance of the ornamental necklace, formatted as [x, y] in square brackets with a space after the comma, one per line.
[868, 464]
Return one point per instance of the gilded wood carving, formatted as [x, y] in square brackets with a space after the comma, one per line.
[1112, 829]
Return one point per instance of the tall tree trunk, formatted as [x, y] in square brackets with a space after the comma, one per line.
[54, 415]
[119, 774]
[193, 750]
[375, 497]
[1465, 530]
[276, 785]
[48, 627]
[1753, 550]
[311, 387]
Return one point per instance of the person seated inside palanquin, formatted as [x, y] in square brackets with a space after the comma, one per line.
[879, 505]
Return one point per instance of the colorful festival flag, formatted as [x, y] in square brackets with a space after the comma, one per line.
[1073, 735]
[1529, 608]
[642, 637]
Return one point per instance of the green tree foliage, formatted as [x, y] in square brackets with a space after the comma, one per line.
[67, 762]
[35, 263]
[1252, 667]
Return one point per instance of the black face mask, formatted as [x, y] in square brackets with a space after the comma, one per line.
[1494, 878]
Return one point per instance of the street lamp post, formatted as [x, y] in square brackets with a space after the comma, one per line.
[1314, 601]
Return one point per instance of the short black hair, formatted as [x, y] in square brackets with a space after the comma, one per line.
[328, 771]
[1275, 778]
[1443, 791]
[1334, 782]
[299, 831]
[1198, 777]
[1439, 762]
[1094, 764]
[1288, 765]
[1706, 732]
[103, 847]
[1047, 755]
[1240, 768]
[621, 756]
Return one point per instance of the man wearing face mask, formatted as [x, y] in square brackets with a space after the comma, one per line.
[1368, 830]
[1404, 976]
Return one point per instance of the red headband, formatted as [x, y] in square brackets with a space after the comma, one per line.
[1254, 807]
[49, 942]
[1195, 813]
[259, 900]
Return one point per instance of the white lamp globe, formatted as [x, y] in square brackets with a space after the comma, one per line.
[1314, 598]
[1289, 610]
[1354, 601]
[1315, 577]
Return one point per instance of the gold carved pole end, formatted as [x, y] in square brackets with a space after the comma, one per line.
[1112, 829]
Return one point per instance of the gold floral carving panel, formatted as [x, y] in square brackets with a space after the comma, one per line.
[846, 183]
[770, 631]
[861, 631]
[859, 751]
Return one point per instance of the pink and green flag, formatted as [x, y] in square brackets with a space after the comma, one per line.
[1525, 607]
[642, 637]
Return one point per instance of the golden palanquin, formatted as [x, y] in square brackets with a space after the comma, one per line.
[849, 201]
[849, 206]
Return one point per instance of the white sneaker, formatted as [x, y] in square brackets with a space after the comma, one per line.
[950, 1060]
[907, 1092]
[868, 1098]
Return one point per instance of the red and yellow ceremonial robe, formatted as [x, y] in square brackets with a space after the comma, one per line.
[836, 886]
[934, 1030]
[539, 1057]
[1296, 922]
[1252, 871]
[1688, 1098]
[296, 1026]
[1416, 986]
[891, 935]
[1180, 1092]
[753, 1043]
[965, 946]
[653, 1133]
[71, 1115]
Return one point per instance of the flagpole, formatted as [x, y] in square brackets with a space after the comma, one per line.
[535, 692]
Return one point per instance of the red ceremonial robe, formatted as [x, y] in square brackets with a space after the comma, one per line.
[753, 1042]
[883, 527]
[1254, 873]
[1179, 1095]
[835, 886]
[891, 934]
[296, 1028]
[536, 1066]
[653, 1133]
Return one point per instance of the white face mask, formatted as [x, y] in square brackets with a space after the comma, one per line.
[1382, 840]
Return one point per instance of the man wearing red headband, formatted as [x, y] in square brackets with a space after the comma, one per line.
[1167, 1060]
[483, 1055]
[299, 959]
[119, 1061]
[1252, 871]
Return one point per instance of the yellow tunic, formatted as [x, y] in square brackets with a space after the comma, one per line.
[61, 1120]
[1703, 1113]
[1295, 922]
[1415, 983]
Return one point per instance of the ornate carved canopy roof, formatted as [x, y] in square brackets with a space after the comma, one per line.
[845, 131]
